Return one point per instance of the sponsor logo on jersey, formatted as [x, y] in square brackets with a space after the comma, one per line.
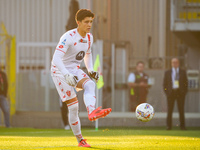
[80, 55]
[64, 42]
[82, 41]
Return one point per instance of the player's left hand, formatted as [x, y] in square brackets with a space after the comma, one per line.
[94, 75]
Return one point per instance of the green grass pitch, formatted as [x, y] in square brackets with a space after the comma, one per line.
[139, 138]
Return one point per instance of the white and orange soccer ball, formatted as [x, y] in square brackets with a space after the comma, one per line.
[144, 112]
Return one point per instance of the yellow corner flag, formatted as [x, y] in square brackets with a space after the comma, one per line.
[97, 67]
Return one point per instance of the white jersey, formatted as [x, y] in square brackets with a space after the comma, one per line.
[71, 50]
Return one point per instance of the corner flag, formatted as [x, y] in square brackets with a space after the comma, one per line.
[97, 67]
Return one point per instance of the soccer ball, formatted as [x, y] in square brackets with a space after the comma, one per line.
[144, 112]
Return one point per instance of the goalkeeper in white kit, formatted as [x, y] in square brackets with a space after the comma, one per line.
[73, 47]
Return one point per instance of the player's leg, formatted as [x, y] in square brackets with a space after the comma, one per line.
[89, 93]
[75, 121]
[89, 97]
[64, 114]
[68, 95]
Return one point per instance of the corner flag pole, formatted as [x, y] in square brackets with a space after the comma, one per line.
[97, 105]
[99, 84]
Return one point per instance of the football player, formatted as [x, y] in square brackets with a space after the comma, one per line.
[73, 47]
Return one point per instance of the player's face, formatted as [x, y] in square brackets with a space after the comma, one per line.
[140, 67]
[175, 63]
[86, 24]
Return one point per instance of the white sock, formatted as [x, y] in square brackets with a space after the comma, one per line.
[79, 137]
[89, 95]
[74, 121]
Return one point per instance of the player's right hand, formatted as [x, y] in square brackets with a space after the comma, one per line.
[71, 80]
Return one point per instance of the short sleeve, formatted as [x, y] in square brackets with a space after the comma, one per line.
[131, 77]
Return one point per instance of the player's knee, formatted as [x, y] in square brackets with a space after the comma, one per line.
[73, 113]
[89, 85]
[73, 108]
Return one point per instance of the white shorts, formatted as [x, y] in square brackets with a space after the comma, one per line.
[66, 91]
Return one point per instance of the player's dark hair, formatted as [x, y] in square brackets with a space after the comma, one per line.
[83, 13]
[139, 62]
